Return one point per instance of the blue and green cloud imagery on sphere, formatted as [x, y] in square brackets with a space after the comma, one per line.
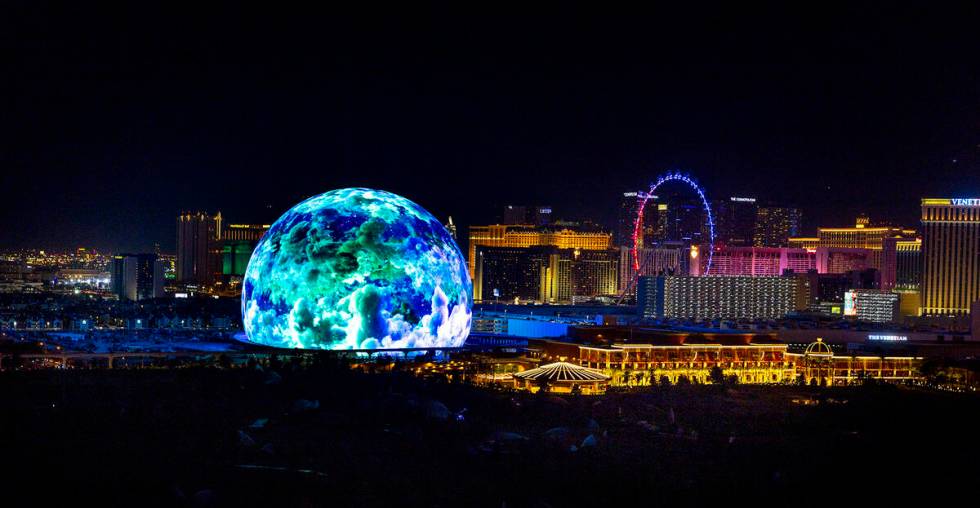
[357, 269]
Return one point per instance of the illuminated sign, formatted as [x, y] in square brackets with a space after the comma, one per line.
[544, 210]
[630, 194]
[850, 303]
[180, 295]
[694, 251]
[742, 200]
[888, 338]
[661, 207]
[965, 201]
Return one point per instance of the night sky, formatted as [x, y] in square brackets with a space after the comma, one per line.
[112, 122]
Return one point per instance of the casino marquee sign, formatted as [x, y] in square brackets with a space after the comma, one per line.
[952, 201]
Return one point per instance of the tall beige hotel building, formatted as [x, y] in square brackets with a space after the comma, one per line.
[950, 255]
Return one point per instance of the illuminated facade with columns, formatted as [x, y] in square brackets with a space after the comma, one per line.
[750, 363]
[818, 365]
[950, 256]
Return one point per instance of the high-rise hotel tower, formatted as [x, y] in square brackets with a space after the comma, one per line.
[950, 256]
[198, 247]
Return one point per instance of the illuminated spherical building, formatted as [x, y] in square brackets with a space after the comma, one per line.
[357, 269]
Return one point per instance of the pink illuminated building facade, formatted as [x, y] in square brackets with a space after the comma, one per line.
[753, 261]
[774, 261]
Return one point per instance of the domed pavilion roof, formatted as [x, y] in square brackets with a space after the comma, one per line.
[818, 348]
[562, 372]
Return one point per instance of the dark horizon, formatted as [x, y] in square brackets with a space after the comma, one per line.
[114, 123]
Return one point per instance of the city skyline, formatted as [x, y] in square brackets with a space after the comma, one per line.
[495, 215]
[609, 224]
[561, 256]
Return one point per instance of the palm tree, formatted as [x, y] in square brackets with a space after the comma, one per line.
[716, 375]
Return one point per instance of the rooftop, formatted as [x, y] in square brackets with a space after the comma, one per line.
[562, 372]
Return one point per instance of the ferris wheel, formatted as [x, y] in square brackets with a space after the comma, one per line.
[638, 223]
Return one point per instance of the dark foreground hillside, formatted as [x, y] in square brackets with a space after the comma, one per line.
[327, 436]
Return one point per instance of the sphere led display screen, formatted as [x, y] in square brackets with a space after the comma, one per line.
[357, 269]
